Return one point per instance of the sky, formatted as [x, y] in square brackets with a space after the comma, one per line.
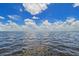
[39, 16]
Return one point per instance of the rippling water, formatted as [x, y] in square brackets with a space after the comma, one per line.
[45, 43]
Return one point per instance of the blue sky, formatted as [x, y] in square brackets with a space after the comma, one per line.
[54, 12]
[54, 16]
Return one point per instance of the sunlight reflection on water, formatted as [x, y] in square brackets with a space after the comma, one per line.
[46, 43]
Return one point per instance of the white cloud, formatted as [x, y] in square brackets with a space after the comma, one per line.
[1, 17]
[35, 8]
[76, 5]
[45, 24]
[10, 26]
[71, 24]
[14, 17]
[34, 17]
[30, 24]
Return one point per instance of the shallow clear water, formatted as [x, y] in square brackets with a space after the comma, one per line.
[45, 43]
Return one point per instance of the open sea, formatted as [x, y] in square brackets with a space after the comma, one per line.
[55, 43]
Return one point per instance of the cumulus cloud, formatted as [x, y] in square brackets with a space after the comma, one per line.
[31, 24]
[10, 26]
[71, 24]
[1, 17]
[45, 24]
[35, 8]
[76, 5]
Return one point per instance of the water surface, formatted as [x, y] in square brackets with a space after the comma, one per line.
[58, 43]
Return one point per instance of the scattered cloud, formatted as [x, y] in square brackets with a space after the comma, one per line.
[13, 17]
[71, 24]
[35, 8]
[1, 17]
[76, 5]
[34, 17]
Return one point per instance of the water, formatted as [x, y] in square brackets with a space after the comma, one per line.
[43, 44]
